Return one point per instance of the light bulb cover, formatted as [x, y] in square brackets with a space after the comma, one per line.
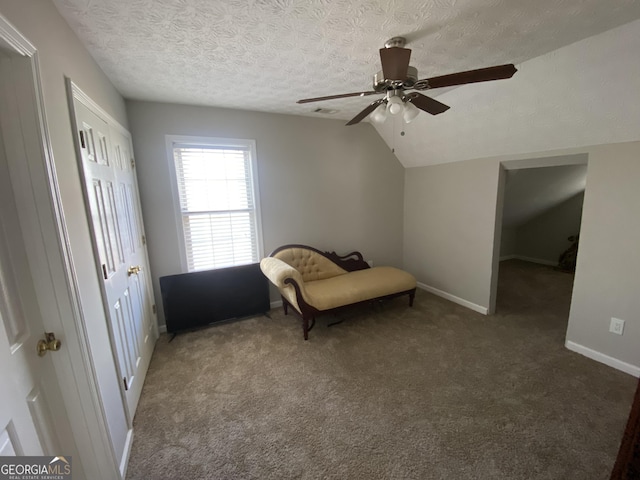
[395, 108]
[379, 115]
[410, 112]
[395, 105]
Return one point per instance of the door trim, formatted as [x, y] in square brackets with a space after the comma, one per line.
[578, 157]
[75, 93]
[74, 364]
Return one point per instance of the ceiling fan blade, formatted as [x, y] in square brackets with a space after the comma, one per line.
[427, 104]
[361, 116]
[471, 76]
[332, 97]
[395, 62]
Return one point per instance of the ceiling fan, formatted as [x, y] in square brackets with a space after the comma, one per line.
[397, 77]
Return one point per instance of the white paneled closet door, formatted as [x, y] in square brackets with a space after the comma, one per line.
[28, 381]
[111, 195]
[33, 418]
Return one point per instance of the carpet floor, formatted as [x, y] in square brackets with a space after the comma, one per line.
[436, 391]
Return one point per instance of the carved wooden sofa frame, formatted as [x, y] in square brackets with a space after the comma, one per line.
[351, 262]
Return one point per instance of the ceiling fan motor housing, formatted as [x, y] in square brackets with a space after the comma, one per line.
[381, 84]
[398, 42]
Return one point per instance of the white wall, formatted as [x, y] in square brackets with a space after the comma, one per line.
[449, 238]
[61, 54]
[321, 183]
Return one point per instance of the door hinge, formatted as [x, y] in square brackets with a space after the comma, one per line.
[104, 271]
[144, 240]
[154, 308]
[82, 139]
[126, 385]
[133, 163]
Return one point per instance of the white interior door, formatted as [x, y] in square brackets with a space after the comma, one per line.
[112, 196]
[25, 418]
[134, 240]
[33, 419]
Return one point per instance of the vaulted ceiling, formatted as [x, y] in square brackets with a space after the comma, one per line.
[264, 55]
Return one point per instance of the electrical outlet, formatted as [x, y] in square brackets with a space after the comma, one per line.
[616, 326]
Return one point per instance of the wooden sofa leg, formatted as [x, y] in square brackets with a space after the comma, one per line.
[412, 295]
[305, 327]
[285, 305]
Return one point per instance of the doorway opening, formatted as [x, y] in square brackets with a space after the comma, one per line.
[538, 219]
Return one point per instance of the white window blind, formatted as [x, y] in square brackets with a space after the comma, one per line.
[217, 203]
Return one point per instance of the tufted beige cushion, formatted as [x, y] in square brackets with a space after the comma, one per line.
[311, 265]
[357, 286]
[324, 285]
[277, 272]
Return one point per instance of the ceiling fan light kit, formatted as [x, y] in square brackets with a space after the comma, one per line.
[397, 76]
[379, 115]
[410, 112]
[395, 105]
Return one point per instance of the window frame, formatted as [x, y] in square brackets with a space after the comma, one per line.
[176, 140]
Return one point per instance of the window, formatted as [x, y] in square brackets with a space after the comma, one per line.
[216, 196]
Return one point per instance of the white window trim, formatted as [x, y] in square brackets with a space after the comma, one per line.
[172, 140]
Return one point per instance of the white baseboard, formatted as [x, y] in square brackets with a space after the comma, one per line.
[602, 358]
[452, 298]
[541, 261]
[162, 328]
[124, 463]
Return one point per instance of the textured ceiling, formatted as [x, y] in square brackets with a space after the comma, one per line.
[265, 54]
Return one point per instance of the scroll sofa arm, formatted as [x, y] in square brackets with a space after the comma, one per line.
[284, 276]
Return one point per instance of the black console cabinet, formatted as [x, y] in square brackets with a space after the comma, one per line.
[197, 299]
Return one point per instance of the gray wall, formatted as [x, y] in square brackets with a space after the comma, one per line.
[509, 242]
[321, 183]
[449, 235]
[542, 207]
[607, 279]
[544, 237]
[449, 217]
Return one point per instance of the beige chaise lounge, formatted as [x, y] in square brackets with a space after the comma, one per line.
[315, 282]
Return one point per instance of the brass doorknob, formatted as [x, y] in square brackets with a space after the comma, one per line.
[49, 343]
[133, 270]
